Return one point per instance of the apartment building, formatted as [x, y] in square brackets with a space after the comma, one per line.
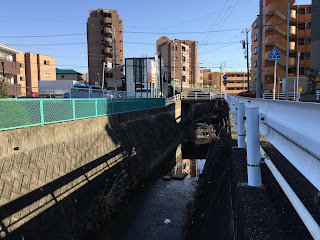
[315, 35]
[181, 58]
[25, 69]
[105, 47]
[275, 35]
[237, 81]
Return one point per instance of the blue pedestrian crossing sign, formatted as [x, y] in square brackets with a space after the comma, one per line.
[274, 55]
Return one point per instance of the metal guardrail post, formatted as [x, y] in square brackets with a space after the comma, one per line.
[253, 147]
[235, 116]
[41, 112]
[318, 95]
[74, 108]
[241, 127]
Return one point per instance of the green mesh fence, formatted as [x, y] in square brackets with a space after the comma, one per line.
[17, 113]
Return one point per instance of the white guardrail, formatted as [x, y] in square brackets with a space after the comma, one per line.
[194, 96]
[293, 129]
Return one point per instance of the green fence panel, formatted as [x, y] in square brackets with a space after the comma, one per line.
[17, 113]
[85, 108]
[57, 110]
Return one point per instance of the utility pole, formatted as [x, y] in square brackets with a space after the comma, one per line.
[298, 75]
[181, 69]
[174, 67]
[258, 94]
[220, 78]
[103, 78]
[287, 64]
[247, 31]
[147, 77]
[246, 46]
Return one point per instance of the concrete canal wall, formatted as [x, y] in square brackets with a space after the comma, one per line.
[61, 181]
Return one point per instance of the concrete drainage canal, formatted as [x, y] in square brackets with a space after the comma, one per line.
[177, 200]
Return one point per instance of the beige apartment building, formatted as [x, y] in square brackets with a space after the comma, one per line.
[237, 81]
[181, 58]
[25, 69]
[104, 30]
[275, 35]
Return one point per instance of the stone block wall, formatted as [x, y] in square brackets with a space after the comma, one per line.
[43, 168]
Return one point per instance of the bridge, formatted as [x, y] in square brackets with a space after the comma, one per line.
[58, 154]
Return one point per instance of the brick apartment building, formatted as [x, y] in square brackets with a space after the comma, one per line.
[184, 54]
[237, 81]
[274, 34]
[100, 36]
[315, 35]
[25, 69]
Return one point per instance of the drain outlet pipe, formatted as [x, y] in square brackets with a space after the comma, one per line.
[302, 211]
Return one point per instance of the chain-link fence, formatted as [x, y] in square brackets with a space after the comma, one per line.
[18, 113]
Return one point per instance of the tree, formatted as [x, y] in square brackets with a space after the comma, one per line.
[3, 88]
[312, 76]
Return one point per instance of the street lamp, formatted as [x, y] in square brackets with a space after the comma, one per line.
[99, 79]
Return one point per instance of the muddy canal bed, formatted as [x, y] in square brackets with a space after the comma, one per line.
[153, 203]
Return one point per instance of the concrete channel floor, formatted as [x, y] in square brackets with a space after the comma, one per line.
[144, 217]
[266, 213]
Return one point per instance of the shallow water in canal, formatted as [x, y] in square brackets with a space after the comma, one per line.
[143, 217]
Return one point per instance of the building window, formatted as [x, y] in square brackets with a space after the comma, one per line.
[183, 49]
[183, 78]
[174, 58]
[21, 65]
[173, 48]
[255, 37]
[184, 68]
[62, 76]
[255, 24]
[308, 25]
[109, 75]
[46, 62]
[308, 10]
[174, 69]
[47, 75]
[301, 26]
[255, 50]
[302, 10]
[21, 78]
[255, 63]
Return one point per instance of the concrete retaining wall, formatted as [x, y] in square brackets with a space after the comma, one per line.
[54, 179]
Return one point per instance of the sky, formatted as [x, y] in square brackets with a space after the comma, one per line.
[216, 25]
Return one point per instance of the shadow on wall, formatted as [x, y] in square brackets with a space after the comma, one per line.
[76, 204]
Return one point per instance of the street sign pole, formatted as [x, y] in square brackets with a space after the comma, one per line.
[275, 80]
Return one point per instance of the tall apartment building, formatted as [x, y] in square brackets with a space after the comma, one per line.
[237, 81]
[104, 30]
[181, 58]
[315, 35]
[274, 34]
[25, 69]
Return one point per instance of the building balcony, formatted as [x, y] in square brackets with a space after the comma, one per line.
[304, 48]
[107, 20]
[293, 14]
[292, 46]
[304, 33]
[292, 62]
[293, 30]
[277, 41]
[10, 67]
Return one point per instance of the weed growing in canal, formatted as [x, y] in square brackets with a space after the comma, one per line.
[116, 192]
